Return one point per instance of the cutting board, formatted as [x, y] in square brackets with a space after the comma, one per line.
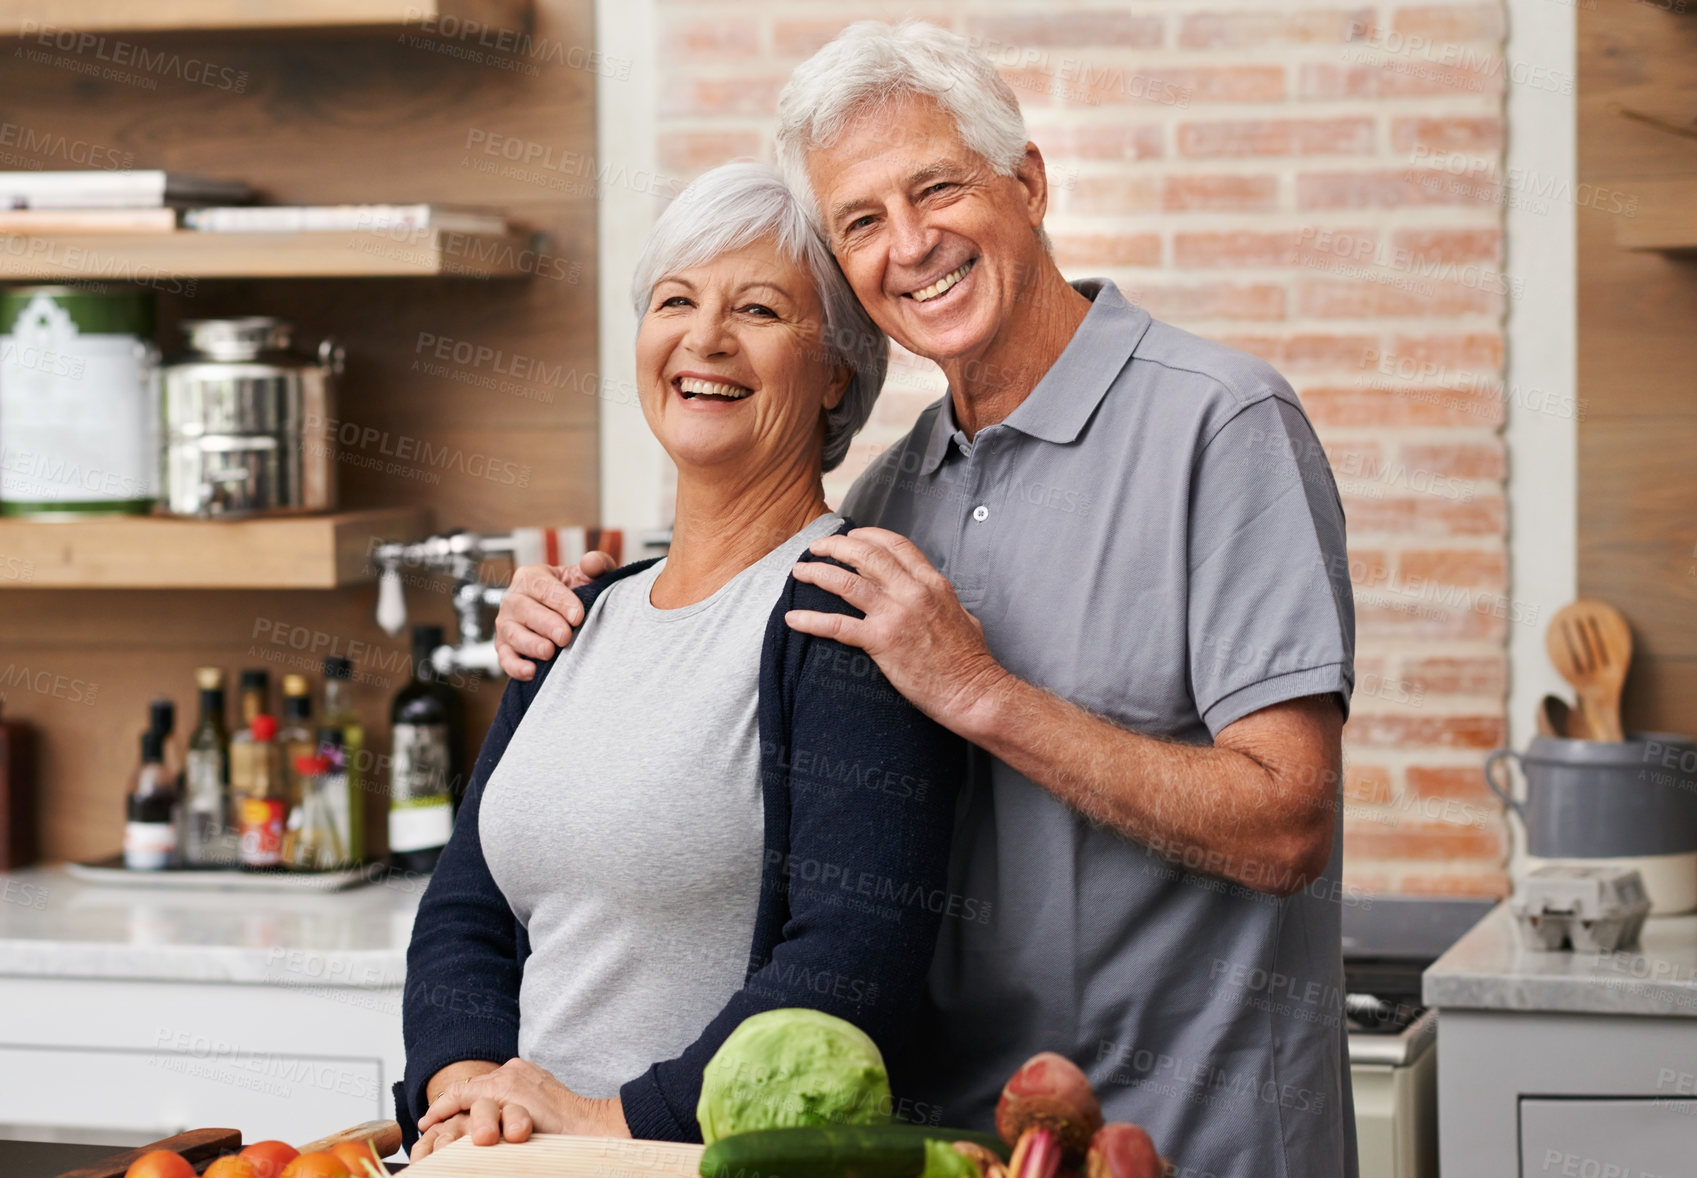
[549, 1155]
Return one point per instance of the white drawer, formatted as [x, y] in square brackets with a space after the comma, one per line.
[1602, 1138]
[158, 1093]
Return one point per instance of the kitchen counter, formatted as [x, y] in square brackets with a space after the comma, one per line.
[153, 1010]
[54, 926]
[1489, 969]
[1566, 1063]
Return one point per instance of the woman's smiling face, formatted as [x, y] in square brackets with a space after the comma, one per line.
[731, 361]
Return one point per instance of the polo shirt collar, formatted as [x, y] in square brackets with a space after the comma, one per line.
[943, 429]
[1058, 408]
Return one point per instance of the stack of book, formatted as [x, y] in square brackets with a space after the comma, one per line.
[155, 202]
[343, 219]
[106, 201]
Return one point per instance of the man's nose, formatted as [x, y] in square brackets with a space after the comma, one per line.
[912, 240]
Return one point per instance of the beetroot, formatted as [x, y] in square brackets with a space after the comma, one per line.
[1038, 1154]
[1120, 1150]
[1049, 1091]
[987, 1161]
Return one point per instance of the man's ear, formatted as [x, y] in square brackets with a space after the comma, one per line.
[1034, 178]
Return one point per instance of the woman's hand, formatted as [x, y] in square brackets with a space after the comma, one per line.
[512, 1102]
[440, 1134]
[455, 1127]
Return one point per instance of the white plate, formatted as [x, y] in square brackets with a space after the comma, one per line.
[211, 879]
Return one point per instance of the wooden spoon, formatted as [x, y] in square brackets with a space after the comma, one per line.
[1590, 645]
[1553, 717]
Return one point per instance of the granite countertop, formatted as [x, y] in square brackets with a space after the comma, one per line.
[1489, 969]
[54, 926]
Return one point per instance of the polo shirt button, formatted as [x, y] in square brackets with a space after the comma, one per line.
[980, 513]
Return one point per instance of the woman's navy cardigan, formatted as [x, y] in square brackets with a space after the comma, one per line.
[859, 795]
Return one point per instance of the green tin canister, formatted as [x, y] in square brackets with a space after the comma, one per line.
[79, 402]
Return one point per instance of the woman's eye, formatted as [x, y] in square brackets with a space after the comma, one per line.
[675, 301]
[758, 309]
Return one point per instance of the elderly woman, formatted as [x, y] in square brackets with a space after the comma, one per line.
[696, 813]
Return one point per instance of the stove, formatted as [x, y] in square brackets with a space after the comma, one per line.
[1393, 1038]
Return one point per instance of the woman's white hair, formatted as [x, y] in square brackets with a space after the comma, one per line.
[735, 205]
[871, 64]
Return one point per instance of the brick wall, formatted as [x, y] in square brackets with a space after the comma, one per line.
[1301, 182]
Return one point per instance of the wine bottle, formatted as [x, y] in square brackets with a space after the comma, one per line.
[206, 813]
[426, 775]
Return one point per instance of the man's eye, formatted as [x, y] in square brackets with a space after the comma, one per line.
[938, 187]
[858, 223]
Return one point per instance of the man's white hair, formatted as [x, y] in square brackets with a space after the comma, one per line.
[871, 64]
[736, 205]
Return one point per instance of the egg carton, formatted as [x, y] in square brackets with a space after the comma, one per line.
[1594, 909]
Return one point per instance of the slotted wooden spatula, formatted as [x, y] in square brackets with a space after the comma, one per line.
[1590, 645]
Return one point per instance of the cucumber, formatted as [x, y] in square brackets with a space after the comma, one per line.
[833, 1151]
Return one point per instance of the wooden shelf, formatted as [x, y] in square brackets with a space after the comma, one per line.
[141, 257]
[131, 16]
[157, 552]
[1666, 218]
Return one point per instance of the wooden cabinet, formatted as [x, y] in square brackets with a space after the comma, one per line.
[1637, 353]
[495, 377]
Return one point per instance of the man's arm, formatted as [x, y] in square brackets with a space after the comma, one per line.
[1257, 807]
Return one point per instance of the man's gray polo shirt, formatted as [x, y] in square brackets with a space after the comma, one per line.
[1154, 534]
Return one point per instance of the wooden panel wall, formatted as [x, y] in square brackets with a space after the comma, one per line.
[1638, 353]
[324, 121]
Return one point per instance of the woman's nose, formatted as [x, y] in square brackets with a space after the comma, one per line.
[710, 335]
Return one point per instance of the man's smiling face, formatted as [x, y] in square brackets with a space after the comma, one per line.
[937, 246]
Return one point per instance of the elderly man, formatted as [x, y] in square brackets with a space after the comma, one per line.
[1112, 558]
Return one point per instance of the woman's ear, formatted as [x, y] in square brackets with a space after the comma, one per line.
[841, 377]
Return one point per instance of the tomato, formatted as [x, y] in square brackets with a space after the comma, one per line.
[360, 1158]
[159, 1163]
[269, 1157]
[317, 1164]
[232, 1165]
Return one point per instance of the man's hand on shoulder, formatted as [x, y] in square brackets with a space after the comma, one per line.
[540, 613]
[926, 643]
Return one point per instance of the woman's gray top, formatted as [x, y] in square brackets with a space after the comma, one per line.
[624, 825]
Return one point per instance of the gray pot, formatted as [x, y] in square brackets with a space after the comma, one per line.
[1592, 799]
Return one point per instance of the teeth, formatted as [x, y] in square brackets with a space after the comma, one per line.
[940, 286]
[691, 386]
